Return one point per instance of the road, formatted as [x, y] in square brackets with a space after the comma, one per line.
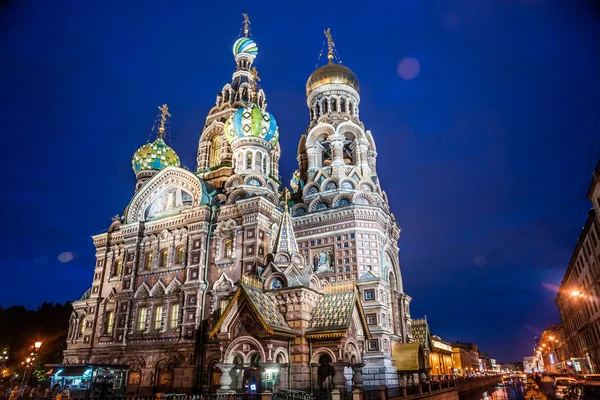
[497, 392]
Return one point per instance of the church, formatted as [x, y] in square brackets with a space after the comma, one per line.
[222, 279]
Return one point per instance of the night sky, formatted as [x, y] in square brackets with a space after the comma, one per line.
[483, 112]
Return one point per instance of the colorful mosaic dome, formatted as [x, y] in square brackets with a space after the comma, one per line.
[245, 45]
[154, 156]
[252, 121]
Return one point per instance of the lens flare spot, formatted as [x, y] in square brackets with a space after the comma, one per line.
[479, 260]
[409, 68]
[65, 257]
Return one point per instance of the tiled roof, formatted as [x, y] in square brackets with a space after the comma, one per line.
[264, 308]
[333, 313]
[367, 276]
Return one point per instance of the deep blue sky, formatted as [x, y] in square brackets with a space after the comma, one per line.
[491, 136]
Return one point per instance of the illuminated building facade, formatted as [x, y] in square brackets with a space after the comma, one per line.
[578, 299]
[217, 279]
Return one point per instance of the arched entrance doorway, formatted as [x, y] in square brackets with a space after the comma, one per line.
[253, 376]
[325, 373]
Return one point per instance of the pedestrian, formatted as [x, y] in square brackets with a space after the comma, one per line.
[14, 395]
[547, 387]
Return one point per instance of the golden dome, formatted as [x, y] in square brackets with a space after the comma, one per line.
[332, 73]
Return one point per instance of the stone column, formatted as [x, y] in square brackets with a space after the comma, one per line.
[339, 379]
[363, 147]
[372, 159]
[337, 149]
[225, 380]
[357, 378]
[314, 157]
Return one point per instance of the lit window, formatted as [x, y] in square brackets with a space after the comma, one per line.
[228, 248]
[174, 317]
[142, 318]
[158, 317]
[82, 327]
[164, 257]
[215, 151]
[180, 254]
[249, 161]
[110, 321]
[149, 258]
[118, 268]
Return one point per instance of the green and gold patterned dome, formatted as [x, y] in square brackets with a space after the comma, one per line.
[252, 121]
[154, 156]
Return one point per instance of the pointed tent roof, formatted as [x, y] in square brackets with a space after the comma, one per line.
[333, 313]
[262, 307]
[286, 238]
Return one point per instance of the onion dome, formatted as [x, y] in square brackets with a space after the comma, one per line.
[332, 73]
[252, 121]
[154, 156]
[245, 45]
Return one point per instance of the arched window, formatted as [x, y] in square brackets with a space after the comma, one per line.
[264, 165]
[174, 316]
[142, 313]
[228, 248]
[249, 161]
[110, 321]
[158, 311]
[82, 326]
[259, 165]
[180, 254]
[351, 108]
[333, 105]
[149, 258]
[343, 105]
[118, 268]
[325, 107]
[164, 256]
[215, 151]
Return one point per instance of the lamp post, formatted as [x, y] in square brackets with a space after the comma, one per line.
[30, 361]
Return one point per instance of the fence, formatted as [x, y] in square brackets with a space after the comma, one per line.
[409, 392]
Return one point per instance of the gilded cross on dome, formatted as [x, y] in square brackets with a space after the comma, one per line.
[164, 110]
[330, 45]
[246, 24]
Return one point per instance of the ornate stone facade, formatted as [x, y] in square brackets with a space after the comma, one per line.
[214, 279]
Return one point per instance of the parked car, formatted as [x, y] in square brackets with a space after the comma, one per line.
[561, 384]
[583, 391]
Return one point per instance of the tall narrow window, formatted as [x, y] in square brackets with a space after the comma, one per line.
[118, 268]
[249, 161]
[164, 257]
[110, 321]
[228, 250]
[174, 317]
[158, 317]
[215, 151]
[180, 254]
[264, 165]
[82, 327]
[142, 313]
[149, 258]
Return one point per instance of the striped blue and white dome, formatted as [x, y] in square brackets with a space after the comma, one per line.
[251, 121]
[245, 45]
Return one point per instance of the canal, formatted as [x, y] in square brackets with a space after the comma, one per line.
[508, 391]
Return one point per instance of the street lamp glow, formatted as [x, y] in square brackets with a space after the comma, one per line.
[575, 293]
[551, 337]
[28, 359]
[37, 345]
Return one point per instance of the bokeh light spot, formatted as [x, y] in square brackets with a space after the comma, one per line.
[409, 68]
[65, 256]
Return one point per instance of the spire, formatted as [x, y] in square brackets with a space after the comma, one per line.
[286, 238]
[164, 114]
